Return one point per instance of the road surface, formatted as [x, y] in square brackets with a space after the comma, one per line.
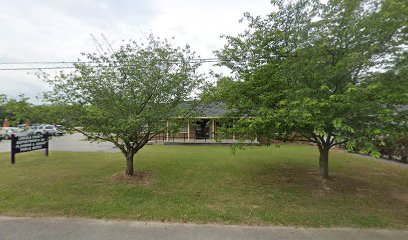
[88, 229]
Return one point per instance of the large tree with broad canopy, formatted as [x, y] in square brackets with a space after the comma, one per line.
[127, 96]
[305, 71]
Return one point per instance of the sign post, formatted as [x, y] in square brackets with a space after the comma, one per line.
[20, 144]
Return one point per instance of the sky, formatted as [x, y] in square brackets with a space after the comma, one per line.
[50, 30]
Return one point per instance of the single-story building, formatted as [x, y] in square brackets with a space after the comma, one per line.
[202, 127]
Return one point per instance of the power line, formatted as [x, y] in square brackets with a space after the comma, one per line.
[93, 64]
[71, 62]
[32, 68]
[41, 62]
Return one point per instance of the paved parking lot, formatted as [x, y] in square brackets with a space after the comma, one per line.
[74, 142]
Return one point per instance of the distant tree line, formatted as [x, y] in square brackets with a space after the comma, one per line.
[20, 109]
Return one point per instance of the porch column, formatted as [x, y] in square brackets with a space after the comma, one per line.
[233, 126]
[188, 131]
[213, 129]
[167, 131]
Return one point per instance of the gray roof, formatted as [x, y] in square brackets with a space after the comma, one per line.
[214, 109]
[204, 109]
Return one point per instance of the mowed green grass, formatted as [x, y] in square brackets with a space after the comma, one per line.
[209, 184]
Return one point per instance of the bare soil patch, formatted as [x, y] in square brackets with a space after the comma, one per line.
[139, 177]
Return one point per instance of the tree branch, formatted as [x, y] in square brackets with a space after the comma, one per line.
[339, 143]
[310, 139]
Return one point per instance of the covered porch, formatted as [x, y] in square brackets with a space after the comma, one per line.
[201, 130]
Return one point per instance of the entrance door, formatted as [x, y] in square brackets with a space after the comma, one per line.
[203, 129]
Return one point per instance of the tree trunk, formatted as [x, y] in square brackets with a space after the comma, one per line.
[404, 159]
[129, 164]
[324, 161]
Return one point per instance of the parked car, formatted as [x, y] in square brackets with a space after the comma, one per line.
[26, 132]
[8, 132]
[47, 129]
[44, 129]
[60, 130]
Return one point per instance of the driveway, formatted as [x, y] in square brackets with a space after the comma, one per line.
[88, 229]
[74, 142]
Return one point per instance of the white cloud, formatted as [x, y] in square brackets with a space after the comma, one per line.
[50, 30]
[201, 23]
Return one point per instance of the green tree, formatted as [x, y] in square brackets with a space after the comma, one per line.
[127, 96]
[302, 72]
[46, 113]
[15, 110]
[392, 85]
[3, 100]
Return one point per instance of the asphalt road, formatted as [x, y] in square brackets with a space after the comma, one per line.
[74, 142]
[89, 229]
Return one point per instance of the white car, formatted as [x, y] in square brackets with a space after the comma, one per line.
[7, 132]
[45, 129]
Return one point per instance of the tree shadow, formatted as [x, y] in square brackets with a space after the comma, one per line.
[306, 179]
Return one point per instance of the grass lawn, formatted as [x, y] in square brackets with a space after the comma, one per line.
[208, 184]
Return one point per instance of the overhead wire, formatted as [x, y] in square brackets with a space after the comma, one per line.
[58, 62]
[92, 64]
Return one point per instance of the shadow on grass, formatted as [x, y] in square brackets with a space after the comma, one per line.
[302, 178]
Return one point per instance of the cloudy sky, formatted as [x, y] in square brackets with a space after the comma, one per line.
[59, 30]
